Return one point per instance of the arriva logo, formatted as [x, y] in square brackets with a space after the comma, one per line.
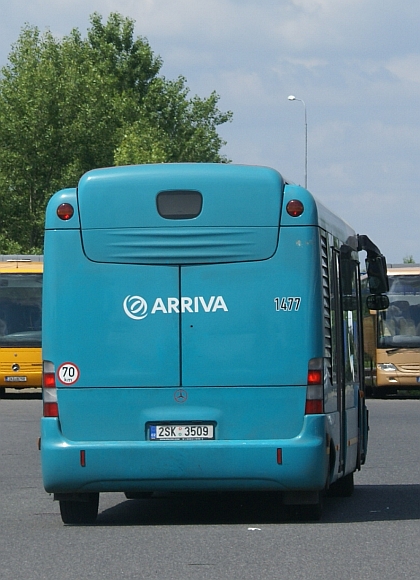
[136, 307]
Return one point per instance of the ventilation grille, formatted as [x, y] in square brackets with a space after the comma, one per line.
[327, 302]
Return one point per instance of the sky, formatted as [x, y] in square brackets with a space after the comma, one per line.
[354, 65]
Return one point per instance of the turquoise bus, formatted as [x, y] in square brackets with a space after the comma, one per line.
[201, 331]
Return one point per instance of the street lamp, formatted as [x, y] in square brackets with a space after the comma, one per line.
[292, 98]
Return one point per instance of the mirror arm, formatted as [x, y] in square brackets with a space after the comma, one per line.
[366, 244]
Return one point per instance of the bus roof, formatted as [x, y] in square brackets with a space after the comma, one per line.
[402, 269]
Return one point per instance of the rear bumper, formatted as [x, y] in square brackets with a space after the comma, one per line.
[185, 465]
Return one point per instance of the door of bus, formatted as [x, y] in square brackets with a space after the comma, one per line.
[348, 346]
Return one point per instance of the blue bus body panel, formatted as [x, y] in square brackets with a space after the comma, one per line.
[232, 195]
[189, 245]
[276, 412]
[234, 336]
[238, 222]
[185, 465]
[252, 343]
[227, 306]
[107, 346]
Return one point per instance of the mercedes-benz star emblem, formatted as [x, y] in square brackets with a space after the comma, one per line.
[180, 396]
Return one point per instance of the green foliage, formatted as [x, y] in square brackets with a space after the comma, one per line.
[10, 247]
[409, 260]
[70, 105]
[173, 128]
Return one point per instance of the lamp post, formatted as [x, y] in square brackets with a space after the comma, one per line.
[293, 98]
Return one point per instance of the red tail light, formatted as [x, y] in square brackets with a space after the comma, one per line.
[314, 377]
[48, 380]
[65, 211]
[314, 407]
[315, 389]
[49, 391]
[295, 208]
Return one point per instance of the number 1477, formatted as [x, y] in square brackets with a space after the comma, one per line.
[287, 303]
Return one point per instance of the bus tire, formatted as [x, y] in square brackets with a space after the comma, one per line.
[2, 392]
[343, 487]
[80, 512]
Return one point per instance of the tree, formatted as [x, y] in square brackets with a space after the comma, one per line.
[70, 105]
[173, 128]
[409, 260]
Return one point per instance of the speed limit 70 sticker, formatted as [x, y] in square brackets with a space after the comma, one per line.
[68, 373]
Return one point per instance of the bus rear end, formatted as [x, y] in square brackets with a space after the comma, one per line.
[183, 338]
[20, 322]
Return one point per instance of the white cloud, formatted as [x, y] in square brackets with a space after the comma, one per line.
[405, 68]
[355, 63]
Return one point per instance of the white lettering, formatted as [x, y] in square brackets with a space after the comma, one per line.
[207, 307]
[186, 304]
[219, 303]
[136, 307]
[159, 305]
[173, 304]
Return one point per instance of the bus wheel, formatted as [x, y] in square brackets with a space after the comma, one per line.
[2, 392]
[84, 511]
[343, 487]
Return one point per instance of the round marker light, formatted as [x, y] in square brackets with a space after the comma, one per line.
[65, 211]
[295, 208]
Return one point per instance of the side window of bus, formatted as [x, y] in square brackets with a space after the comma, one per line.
[345, 322]
[351, 322]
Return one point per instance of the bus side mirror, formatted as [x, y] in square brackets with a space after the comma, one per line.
[377, 302]
[377, 274]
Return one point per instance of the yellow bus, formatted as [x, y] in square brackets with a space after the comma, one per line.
[20, 322]
[392, 336]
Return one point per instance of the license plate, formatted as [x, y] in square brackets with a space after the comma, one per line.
[15, 379]
[176, 432]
